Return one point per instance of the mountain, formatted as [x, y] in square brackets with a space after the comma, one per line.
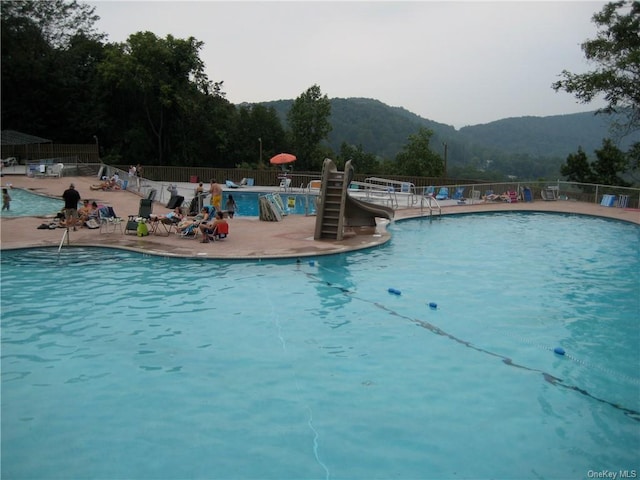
[383, 130]
[552, 136]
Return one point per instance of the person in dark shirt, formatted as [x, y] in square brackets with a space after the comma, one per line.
[71, 198]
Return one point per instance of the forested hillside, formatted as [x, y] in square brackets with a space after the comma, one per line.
[550, 136]
[524, 146]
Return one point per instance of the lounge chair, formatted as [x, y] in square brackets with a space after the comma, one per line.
[109, 221]
[192, 230]
[608, 201]
[512, 196]
[175, 201]
[549, 193]
[285, 184]
[146, 206]
[164, 224]
[443, 194]
[230, 184]
[459, 194]
[527, 196]
[430, 191]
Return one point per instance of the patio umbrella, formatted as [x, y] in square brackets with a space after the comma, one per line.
[282, 158]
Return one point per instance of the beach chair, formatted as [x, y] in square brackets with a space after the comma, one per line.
[285, 184]
[193, 230]
[459, 194]
[109, 221]
[144, 211]
[443, 194]
[512, 196]
[164, 224]
[430, 191]
[220, 231]
[549, 193]
[230, 184]
[608, 201]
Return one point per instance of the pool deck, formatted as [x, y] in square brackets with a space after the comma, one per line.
[249, 237]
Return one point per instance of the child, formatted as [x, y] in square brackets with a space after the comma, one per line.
[230, 206]
[6, 200]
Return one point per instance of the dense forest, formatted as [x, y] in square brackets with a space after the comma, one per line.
[149, 100]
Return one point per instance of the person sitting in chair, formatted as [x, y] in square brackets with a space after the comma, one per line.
[209, 228]
[203, 216]
[175, 216]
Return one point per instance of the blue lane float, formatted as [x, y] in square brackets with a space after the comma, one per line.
[433, 305]
[394, 291]
[559, 350]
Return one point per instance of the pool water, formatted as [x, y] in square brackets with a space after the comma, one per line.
[122, 365]
[294, 203]
[25, 203]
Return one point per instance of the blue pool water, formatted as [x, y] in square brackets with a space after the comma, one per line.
[25, 203]
[121, 365]
[294, 203]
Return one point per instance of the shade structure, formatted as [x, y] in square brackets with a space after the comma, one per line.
[282, 158]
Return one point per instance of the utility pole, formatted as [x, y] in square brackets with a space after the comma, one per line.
[445, 159]
[95, 137]
[260, 140]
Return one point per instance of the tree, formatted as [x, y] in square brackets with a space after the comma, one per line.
[50, 53]
[577, 168]
[417, 159]
[363, 162]
[610, 160]
[57, 20]
[616, 52]
[154, 82]
[308, 120]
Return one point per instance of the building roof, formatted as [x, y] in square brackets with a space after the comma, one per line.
[11, 137]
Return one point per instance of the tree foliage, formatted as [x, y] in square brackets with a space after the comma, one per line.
[417, 159]
[363, 162]
[309, 123]
[149, 101]
[610, 161]
[577, 168]
[616, 53]
[49, 56]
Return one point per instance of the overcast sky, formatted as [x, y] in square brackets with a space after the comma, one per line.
[458, 63]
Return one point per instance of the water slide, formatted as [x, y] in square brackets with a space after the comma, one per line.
[359, 213]
[337, 209]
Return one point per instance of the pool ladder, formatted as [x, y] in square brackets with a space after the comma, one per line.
[65, 235]
[429, 202]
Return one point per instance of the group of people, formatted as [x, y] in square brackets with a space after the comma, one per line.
[216, 197]
[206, 221]
[135, 170]
[113, 183]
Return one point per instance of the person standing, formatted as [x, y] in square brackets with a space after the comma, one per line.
[216, 194]
[71, 198]
[6, 199]
[230, 206]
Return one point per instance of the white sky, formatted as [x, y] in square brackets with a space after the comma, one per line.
[458, 63]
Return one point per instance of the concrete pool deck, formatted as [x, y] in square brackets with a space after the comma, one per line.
[249, 237]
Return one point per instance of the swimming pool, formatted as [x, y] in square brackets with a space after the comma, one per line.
[25, 203]
[121, 365]
[294, 203]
